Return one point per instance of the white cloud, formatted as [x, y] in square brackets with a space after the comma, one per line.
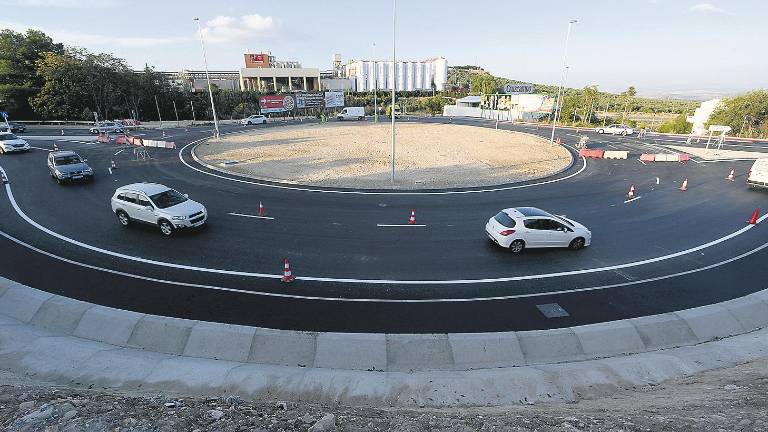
[707, 8]
[69, 4]
[231, 29]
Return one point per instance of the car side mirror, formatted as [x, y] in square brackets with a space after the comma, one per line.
[85, 160]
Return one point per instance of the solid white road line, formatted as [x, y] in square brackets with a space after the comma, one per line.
[251, 216]
[633, 199]
[52, 233]
[118, 152]
[400, 225]
[41, 148]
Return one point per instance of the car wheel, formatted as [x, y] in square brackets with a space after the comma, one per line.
[623, 133]
[517, 246]
[576, 244]
[123, 218]
[165, 227]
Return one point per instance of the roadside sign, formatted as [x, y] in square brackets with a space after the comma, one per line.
[517, 88]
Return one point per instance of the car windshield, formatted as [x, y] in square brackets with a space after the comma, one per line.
[67, 160]
[167, 199]
[504, 220]
[7, 136]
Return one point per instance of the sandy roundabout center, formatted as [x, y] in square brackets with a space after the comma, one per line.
[358, 155]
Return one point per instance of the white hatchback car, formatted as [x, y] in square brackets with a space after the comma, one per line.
[11, 143]
[529, 227]
[615, 129]
[254, 119]
[158, 205]
[107, 127]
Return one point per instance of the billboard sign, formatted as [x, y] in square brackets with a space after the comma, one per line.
[334, 99]
[517, 88]
[277, 103]
[309, 100]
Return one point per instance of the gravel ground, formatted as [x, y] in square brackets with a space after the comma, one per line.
[733, 399]
[358, 154]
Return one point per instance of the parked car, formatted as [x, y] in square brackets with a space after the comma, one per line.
[529, 227]
[254, 119]
[10, 143]
[157, 205]
[351, 113]
[15, 127]
[68, 165]
[758, 174]
[615, 129]
[107, 127]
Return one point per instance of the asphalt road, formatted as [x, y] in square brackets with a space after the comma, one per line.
[664, 251]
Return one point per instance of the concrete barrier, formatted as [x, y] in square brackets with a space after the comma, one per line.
[666, 157]
[711, 322]
[220, 341]
[591, 153]
[21, 303]
[664, 331]
[648, 157]
[615, 154]
[161, 334]
[485, 350]
[609, 339]
[550, 346]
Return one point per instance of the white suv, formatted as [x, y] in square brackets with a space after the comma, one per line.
[529, 227]
[11, 143]
[158, 205]
[254, 119]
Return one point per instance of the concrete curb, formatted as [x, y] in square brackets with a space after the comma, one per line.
[64, 339]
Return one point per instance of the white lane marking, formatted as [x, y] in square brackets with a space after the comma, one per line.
[118, 152]
[301, 189]
[41, 148]
[374, 281]
[400, 225]
[633, 199]
[251, 216]
[110, 170]
[642, 162]
[379, 300]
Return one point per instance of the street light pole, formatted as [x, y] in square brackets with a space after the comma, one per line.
[375, 87]
[394, 84]
[208, 78]
[562, 80]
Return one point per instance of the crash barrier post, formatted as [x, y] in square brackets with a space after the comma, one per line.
[591, 153]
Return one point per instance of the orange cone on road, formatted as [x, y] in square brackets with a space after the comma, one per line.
[631, 193]
[684, 187]
[412, 219]
[261, 209]
[730, 176]
[753, 219]
[287, 276]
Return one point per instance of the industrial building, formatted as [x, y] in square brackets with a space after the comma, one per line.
[195, 81]
[427, 75]
[265, 74]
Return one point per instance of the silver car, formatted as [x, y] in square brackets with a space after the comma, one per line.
[158, 205]
[68, 165]
[107, 127]
[10, 143]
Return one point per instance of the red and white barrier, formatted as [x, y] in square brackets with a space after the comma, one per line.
[615, 154]
[591, 153]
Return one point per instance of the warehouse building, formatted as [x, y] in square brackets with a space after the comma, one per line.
[263, 73]
[427, 75]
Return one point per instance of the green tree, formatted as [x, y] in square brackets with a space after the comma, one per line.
[19, 81]
[482, 83]
[679, 125]
[746, 114]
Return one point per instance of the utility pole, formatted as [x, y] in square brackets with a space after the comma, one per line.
[562, 81]
[157, 105]
[193, 111]
[177, 113]
[208, 78]
[375, 87]
[394, 84]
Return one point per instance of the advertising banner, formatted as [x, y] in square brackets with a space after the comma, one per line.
[277, 103]
[309, 100]
[517, 88]
[334, 99]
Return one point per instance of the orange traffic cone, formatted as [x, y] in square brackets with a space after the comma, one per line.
[261, 209]
[631, 193]
[753, 219]
[730, 176]
[287, 276]
[684, 187]
[412, 219]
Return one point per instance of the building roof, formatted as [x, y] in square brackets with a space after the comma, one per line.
[469, 99]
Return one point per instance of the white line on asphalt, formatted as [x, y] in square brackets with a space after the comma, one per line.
[633, 199]
[301, 189]
[400, 225]
[52, 233]
[642, 162]
[118, 152]
[251, 216]
[380, 300]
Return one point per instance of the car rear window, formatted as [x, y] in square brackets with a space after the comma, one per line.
[505, 220]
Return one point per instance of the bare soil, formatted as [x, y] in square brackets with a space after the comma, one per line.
[358, 155]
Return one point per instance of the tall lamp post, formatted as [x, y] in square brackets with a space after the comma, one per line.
[208, 78]
[394, 84]
[375, 87]
[558, 108]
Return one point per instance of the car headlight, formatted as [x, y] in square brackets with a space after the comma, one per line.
[178, 217]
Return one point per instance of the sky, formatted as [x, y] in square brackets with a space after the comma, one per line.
[662, 47]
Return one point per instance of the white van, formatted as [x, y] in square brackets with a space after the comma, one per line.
[351, 113]
[758, 174]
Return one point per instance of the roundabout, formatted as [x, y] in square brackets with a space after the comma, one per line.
[357, 262]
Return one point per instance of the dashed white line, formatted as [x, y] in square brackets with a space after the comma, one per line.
[251, 216]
